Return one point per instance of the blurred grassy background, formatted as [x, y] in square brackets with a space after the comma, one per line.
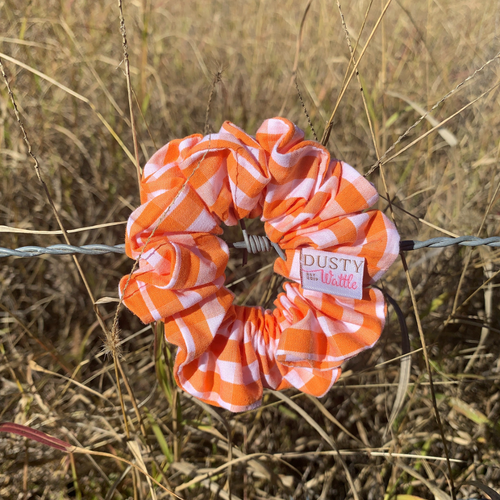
[48, 328]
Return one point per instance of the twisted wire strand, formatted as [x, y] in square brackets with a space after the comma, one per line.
[34, 251]
[253, 244]
[442, 241]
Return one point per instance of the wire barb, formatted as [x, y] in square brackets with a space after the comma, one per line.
[256, 244]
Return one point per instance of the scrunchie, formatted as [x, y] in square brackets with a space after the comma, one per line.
[228, 354]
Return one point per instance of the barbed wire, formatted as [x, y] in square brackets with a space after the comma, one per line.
[442, 241]
[256, 244]
[34, 251]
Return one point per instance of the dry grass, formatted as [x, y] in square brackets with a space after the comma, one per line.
[53, 376]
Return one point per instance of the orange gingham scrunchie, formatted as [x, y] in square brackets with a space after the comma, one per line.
[228, 354]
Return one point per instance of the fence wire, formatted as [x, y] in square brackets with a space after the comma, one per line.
[441, 242]
[34, 251]
[405, 246]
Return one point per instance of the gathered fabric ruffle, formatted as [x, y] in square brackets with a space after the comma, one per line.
[227, 355]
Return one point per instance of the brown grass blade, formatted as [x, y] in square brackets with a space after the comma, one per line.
[293, 78]
[84, 451]
[18, 230]
[134, 447]
[74, 94]
[448, 136]
[404, 373]
[433, 129]
[36, 367]
[422, 338]
[322, 433]
[123, 32]
[45, 343]
[251, 459]
[486, 489]
[407, 497]
[449, 94]
[358, 77]
[38, 172]
[211, 411]
[329, 125]
[438, 494]
[95, 74]
[332, 419]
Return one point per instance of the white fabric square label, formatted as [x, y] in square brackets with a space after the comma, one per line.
[331, 272]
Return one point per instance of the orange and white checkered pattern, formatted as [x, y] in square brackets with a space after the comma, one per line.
[228, 354]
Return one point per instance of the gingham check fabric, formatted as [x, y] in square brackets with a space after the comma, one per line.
[228, 354]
